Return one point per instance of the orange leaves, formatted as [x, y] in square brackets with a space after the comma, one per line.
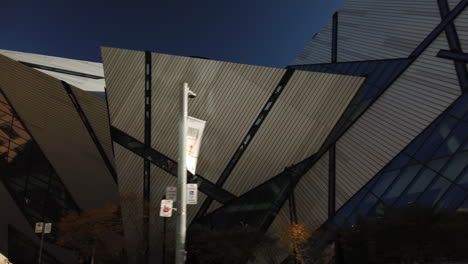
[295, 238]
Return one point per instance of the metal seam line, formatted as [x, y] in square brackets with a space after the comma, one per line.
[147, 142]
[439, 28]
[334, 38]
[454, 44]
[69, 72]
[331, 181]
[451, 55]
[169, 165]
[248, 138]
[90, 129]
[147, 126]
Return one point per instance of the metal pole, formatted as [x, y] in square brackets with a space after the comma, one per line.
[182, 179]
[164, 237]
[41, 245]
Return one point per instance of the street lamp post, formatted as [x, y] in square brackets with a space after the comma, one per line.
[182, 176]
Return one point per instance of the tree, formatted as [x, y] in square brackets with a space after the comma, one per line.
[94, 234]
[295, 238]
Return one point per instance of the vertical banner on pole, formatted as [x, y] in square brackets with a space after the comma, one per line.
[195, 129]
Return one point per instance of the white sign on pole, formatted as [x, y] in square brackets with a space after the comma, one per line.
[192, 193]
[166, 208]
[171, 193]
[47, 228]
[39, 227]
[195, 129]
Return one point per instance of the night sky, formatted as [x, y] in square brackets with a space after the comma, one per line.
[260, 32]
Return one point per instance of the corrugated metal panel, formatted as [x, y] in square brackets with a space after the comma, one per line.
[47, 111]
[125, 87]
[318, 50]
[311, 195]
[87, 67]
[130, 174]
[230, 97]
[214, 205]
[93, 68]
[421, 93]
[462, 30]
[453, 3]
[95, 109]
[375, 30]
[159, 181]
[296, 127]
[383, 29]
[276, 253]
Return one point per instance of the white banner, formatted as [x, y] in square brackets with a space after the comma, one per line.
[166, 208]
[192, 193]
[171, 193]
[195, 129]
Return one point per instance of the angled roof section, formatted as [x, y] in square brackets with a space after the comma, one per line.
[375, 30]
[50, 114]
[230, 97]
[88, 76]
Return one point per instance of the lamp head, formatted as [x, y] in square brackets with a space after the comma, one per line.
[191, 94]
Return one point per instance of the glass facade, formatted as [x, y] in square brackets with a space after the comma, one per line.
[256, 208]
[27, 174]
[22, 250]
[432, 171]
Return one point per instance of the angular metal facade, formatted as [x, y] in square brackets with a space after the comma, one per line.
[373, 113]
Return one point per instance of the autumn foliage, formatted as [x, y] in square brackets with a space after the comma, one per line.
[93, 234]
[295, 238]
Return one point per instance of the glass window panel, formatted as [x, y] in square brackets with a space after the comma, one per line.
[423, 180]
[384, 181]
[4, 131]
[22, 133]
[437, 164]
[434, 192]
[5, 110]
[436, 139]
[5, 118]
[420, 139]
[2, 99]
[456, 138]
[455, 165]
[378, 209]
[464, 146]
[4, 145]
[460, 108]
[463, 180]
[344, 211]
[366, 204]
[400, 184]
[453, 198]
[37, 181]
[400, 161]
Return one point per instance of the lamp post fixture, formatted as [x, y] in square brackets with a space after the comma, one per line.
[182, 177]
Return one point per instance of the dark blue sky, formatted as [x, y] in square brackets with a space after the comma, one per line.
[260, 32]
